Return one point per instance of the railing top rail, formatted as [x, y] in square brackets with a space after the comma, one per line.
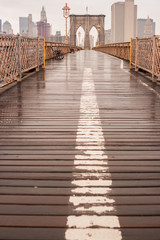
[18, 35]
[62, 44]
[125, 44]
[115, 44]
[146, 38]
[56, 44]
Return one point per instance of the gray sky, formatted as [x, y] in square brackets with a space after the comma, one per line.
[11, 10]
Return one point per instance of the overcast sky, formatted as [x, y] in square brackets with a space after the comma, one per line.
[11, 10]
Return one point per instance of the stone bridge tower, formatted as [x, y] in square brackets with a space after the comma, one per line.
[87, 22]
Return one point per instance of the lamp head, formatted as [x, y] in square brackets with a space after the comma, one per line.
[66, 11]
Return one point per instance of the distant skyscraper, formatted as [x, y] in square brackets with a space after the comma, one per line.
[23, 26]
[30, 26]
[130, 21]
[117, 22]
[34, 30]
[27, 27]
[57, 38]
[7, 28]
[124, 21]
[146, 27]
[43, 28]
[43, 15]
[0, 25]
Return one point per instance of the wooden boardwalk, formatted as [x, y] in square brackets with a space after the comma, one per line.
[80, 153]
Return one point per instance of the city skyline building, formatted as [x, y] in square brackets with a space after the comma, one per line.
[123, 21]
[117, 22]
[30, 26]
[7, 28]
[57, 37]
[27, 27]
[23, 26]
[130, 21]
[43, 28]
[146, 27]
[34, 30]
[43, 15]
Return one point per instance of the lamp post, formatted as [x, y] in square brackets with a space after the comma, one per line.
[99, 29]
[66, 13]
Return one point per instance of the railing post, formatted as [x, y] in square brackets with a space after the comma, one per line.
[136, 55]
[19, 58]
[37, 68]
[44, 54]
[153, 59]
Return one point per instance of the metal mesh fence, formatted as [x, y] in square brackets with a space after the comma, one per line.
[18, 55]
[21, 54]
[121, 50]
[143, 53]
[52, 46]
[133, 51]
[156, 59]
[9, 59]
[29, 51]
[41, 51]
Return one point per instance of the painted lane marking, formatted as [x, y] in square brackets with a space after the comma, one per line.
[92, 162]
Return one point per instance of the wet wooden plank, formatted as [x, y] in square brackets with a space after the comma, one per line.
[126, 147]
[69, 176]
[62, 200]
[60, 221]
[66, 183]
[74, 152]
[59, 233]
[64, 210]
[80, 169]
[79, 191]
[18, 163]
[130, 156]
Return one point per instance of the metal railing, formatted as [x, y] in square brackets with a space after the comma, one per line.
[19, 55]
[51, 46]
[143, 53]
[65, 48]
[121, 50]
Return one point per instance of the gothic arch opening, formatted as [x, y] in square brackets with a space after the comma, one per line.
[87, 22]
[80, 37]
[93, 36]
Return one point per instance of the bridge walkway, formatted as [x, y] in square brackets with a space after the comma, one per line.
[80, 153]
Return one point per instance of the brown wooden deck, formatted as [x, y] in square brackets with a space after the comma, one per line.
[80, 153]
